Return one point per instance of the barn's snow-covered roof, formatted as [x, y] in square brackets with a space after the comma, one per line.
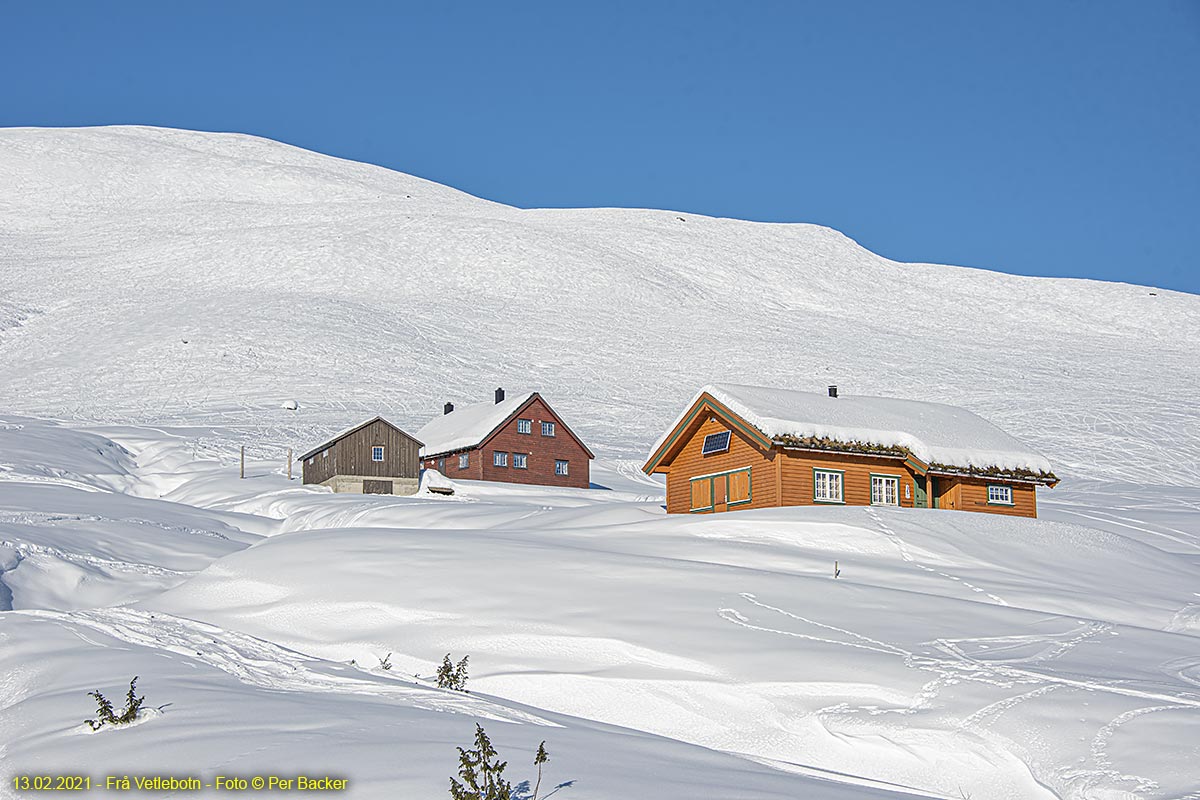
[467, 426]
[933, 432]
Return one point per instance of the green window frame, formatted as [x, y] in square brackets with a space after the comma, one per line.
[712, 494]
[749, 487]
[692, 495]
[1010, 502]
[841, 473]
[883, 475]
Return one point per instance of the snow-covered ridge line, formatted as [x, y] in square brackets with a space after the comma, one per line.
[220, 275]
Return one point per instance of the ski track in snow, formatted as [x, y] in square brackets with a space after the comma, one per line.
[1097, 781]
[961, 666]
[260, 663]
[907, 556]
[25, 550]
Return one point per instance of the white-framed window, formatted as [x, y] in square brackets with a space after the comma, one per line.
[547, 429]
[520, 461]
[524, 426]
[827, 486]
[499, 458]
[561, 467]
[309, 461]
[377, 453]
[325, 453]
[464, 461]
[885, 490]
[999, 495]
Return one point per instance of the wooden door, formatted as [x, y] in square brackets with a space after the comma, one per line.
[721, 493]
[921, 498]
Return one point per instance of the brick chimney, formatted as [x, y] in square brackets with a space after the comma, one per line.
[499, 395]
[833, 391]
[446, 409]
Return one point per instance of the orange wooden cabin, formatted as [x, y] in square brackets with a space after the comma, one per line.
[738, 447]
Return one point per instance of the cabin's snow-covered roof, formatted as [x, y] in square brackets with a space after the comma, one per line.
[933, 432]
[467, 426]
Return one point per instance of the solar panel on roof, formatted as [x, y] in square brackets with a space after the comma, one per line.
[716, 443]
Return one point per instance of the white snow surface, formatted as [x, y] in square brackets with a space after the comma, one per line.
[176, 277]
[467, 426]
[933, 432]
[958, 655]
[164, 293]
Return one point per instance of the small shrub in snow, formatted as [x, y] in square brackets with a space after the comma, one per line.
[542, 757]
[106, 715]
[385, 663]
[482, 772]
[451, 675]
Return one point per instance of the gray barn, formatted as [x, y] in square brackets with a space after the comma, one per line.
[375, 457]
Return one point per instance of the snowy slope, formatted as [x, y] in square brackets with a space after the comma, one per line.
[74, 555]
[163, 293]
[958, 655]
[172, 276]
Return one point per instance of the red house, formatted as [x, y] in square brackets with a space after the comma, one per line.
[517, 440]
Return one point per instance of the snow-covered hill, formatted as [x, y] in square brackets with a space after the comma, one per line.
[172, 276]
[957, 655]
[162, 293]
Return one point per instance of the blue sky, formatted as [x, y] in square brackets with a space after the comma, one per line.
[1045, 138]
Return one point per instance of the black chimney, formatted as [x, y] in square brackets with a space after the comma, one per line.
[446, 409]
[833, 391]
[499, 395]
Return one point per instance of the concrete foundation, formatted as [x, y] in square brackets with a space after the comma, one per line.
[353, 484]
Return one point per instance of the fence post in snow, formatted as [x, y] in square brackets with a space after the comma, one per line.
[289, 463]
[243, 469]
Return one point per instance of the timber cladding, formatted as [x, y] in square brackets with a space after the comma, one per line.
[319, 467]
[754, 472]
[743, 453]
[800, 466]
[354, 453]
[971, 494]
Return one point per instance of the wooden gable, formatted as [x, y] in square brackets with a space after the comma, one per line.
[705, 407]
